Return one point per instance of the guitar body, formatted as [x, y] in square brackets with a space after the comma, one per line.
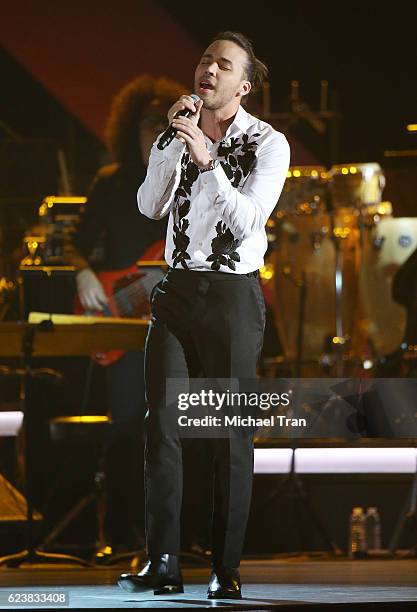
[128, 292]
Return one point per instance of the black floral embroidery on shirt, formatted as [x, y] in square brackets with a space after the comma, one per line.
[223, 248]
[239, 157]
[189, 174]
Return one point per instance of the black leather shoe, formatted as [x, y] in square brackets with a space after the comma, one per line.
[224, 584]
[161, 574]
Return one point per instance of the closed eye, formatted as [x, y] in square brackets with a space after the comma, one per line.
[221, 66]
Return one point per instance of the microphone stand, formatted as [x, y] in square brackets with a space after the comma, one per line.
[301, 284]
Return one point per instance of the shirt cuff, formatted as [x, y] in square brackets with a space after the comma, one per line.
[172, 151]
[176, 147]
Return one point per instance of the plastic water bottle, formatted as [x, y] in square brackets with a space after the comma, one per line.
[373, 529]
[357, 534]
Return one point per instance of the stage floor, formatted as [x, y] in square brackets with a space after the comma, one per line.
[296, 583]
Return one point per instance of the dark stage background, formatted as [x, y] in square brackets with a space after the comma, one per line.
[61, 63]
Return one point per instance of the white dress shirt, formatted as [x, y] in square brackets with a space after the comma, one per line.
[217, 218]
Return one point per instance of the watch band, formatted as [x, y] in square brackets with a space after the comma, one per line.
[212, 164]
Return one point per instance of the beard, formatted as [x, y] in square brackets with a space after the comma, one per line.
[212, 105]
[218, 99]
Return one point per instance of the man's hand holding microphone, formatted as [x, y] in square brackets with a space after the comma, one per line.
[183, 118]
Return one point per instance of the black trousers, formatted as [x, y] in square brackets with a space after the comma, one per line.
[210, 325]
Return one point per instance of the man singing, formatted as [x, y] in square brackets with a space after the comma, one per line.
[218, 180]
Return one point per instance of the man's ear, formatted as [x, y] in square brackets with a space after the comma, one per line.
[245, 88]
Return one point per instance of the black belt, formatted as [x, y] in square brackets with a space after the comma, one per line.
[255, 273]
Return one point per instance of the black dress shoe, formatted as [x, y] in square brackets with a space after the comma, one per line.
[224, 584]
[161, 574]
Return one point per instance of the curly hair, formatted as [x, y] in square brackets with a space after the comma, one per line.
[127, 109]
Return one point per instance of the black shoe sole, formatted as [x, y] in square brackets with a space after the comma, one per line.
[168, 589]
[220, 595]
[133, 587]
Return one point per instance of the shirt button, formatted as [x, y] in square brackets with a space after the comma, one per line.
[200, 244]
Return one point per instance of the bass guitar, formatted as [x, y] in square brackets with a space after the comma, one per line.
[128, 291]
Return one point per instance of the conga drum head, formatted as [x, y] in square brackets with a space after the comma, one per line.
[386, 246]
[356, 184]
[304, 189]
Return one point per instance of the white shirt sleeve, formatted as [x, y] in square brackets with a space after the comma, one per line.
[247, 211]
[156, 193]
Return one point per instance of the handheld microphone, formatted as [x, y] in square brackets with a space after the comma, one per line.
[169, 134]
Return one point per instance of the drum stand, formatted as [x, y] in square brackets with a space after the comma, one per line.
[296, 492]
[340, 337]
[408, 516]
[301, 284]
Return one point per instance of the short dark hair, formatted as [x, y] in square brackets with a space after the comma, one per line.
[255, 71]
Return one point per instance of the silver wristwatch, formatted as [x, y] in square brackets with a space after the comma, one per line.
[213, 164]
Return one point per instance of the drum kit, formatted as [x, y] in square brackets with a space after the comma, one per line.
[334, 248]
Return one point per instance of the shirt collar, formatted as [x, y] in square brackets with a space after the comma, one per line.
[239, 124]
